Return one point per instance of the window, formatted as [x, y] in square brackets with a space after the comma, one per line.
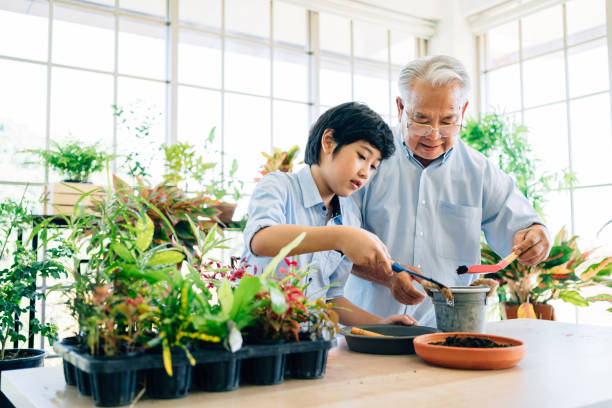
[244, 68]
[550, 71]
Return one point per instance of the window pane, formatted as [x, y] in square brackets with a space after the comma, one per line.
[591, 139]
[394, 94]
[370, 42]
[372, 87]
[247, 67]
[83, 38]
[597, 313]
[291, 125]
[335, 82]
[136, 36]
[150, 7]
[199, 111]
[504, 89]
[290, 75]
[27, 21]
[544, 79]
[503, 45]
[204, 13]
[557, 211]
[247, 132]
[199, 60]
[33, 195]
[248, 17]
[547, 135]
[289, 24]
[542, 31]
[81, 107]
[588, 68]
[335, 34]
[22, 119]
[403, 48]
[591, 212]
[586, 19]
[145, 104]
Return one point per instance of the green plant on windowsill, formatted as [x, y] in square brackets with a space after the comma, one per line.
[498, 137]
[279, 161]
[73, 159]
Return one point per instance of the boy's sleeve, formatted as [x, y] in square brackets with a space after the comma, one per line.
[267, 206]
[338, 279]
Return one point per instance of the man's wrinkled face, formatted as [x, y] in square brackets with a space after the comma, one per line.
[442, 108]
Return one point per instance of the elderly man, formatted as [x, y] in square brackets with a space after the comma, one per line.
[430, 200]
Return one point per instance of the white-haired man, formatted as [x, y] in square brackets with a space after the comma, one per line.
[430, 200]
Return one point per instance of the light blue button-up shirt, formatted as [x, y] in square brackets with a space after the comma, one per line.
[431, 217]
[293, 198]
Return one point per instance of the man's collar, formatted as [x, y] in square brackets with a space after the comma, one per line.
[439, 160]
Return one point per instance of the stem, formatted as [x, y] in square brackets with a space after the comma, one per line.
[11, 227]
[4, 338]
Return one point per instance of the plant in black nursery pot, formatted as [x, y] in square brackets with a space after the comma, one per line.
[19, 269]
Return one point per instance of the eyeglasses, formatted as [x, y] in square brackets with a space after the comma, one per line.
[423, 129]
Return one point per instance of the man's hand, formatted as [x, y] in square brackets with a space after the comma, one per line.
[404, 319]
[365, 249]
[403, 290]
[531, 244]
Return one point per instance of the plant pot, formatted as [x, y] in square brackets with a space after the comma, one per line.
[309, 365]
[226, 211]
[33, 358]
[66, 194]
[114, 389]
[70, 371]
[267, 370]
[543, 311]
[83, 381]
[218, 376]
[467, 313]
[160, 385]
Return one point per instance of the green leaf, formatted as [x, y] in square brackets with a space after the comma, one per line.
[122, 251]
[602, 297]
[226, 297]
[245, 292]
[573, 297]
[279, 306]
[144, 232]
[166, 258]
[271, 267]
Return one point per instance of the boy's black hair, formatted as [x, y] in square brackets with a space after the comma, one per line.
[351, 122]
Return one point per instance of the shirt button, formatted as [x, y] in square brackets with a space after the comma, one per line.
[423, 202]
[420, 233]
[323, 208]
[419, 266]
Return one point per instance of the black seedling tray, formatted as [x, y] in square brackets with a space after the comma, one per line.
[143, 361]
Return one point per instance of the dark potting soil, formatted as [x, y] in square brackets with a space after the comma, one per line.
[11, 355]
[462, 269]
[474, 342]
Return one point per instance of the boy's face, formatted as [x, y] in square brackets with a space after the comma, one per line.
[351, 167]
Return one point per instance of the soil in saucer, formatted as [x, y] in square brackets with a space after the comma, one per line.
[467, 341]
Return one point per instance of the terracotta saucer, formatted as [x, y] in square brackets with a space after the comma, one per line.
[467, 357]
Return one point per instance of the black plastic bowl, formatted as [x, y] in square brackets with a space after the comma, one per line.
[399, 343]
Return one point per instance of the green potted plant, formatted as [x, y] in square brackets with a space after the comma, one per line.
[279, 160]
[76, 162]
[18, 273]
[185, 165]
[526, 290]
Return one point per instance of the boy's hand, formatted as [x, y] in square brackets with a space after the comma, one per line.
[404, 291]
[365, 249]
[404, 319]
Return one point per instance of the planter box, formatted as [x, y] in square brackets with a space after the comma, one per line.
[65, 195]
[216, 368]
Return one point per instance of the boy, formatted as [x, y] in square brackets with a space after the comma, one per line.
[345, 146]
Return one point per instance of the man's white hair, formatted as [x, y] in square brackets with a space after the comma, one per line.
[438, 70]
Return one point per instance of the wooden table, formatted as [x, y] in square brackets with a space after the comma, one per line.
[566, 365]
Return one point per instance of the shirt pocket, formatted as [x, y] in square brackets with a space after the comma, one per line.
[326, 262]
[458, 232]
